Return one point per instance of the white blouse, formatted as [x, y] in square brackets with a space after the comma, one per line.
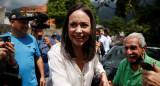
[65, 72]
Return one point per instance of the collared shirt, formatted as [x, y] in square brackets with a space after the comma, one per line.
[65, 72]
[125, 75]
[106, 42]
[109, 42]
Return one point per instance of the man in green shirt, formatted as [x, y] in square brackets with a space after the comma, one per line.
[129, 71]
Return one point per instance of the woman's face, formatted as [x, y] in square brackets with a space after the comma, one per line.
[79, 28]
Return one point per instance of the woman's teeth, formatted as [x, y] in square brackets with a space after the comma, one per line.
[78, 37]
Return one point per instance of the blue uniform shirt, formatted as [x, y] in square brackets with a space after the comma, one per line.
[44, 50]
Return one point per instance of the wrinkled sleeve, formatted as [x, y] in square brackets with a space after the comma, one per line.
[57, 68]
[98, 66]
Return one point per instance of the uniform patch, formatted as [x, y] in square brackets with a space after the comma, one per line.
[13, 16]
[23, 13]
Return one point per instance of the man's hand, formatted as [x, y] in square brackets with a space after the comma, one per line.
[98, 44]
[151, 77]
[7, 52]
[47, 41]
[3, 51]
[42, 81]
[41, 70]
[111, 84]
[11, 53]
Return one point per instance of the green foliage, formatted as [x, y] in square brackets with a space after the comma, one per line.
[116, 24]
[147, 18]
[105, 23]
[146, 14]
[132, 26]
[149, 15]
[57, 9]
[124, 7]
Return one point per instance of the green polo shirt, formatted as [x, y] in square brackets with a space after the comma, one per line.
[125, 75]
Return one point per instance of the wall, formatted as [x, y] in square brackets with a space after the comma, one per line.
[2, 15]
[4, 28]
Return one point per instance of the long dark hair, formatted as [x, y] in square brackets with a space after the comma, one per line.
[90, 45]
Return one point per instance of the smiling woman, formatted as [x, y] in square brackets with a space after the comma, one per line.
[73, 61]
[80, 25]
[79, 28]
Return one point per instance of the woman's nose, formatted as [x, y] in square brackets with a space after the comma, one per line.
[79, 29]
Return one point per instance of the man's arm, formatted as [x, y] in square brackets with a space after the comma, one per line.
[41, 69]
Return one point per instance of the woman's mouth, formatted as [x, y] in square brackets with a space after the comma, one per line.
[79, 38]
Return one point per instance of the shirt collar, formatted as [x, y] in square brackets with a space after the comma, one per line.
[146, 59]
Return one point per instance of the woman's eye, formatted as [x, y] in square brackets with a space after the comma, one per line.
[84, 25]
[73, 24]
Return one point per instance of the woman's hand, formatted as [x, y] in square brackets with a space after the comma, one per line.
[104, 80]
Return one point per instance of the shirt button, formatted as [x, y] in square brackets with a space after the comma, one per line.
[83, 82]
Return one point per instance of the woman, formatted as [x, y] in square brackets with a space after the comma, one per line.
[73, 61]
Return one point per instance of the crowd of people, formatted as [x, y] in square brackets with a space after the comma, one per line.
[76, 58]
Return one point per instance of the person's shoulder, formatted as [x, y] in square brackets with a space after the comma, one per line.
[124, 62]
[30, 36]
[109, 37]
[103, 36]
[152, 60]
[52, 41]
[56, 47]
[55, 52]
[5, 34]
